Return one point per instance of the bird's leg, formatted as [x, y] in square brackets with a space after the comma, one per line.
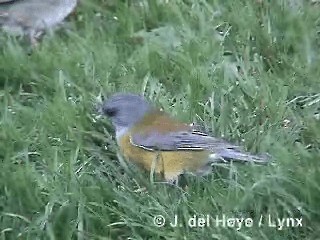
[173, 181]
[34, 42]
[33, 39]
[172, 178]
[154, 165]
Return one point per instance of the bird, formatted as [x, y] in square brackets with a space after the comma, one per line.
[153, 139]
[32, 18]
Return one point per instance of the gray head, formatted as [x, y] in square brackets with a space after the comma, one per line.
[124, 110]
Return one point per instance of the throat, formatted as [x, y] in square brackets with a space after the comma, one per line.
[120, 132]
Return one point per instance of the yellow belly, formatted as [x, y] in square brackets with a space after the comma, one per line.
[169, 163]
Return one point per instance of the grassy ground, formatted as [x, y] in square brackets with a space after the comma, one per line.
[248, 69]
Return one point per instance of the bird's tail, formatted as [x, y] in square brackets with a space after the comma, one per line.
[3, 17]
[230, 154]
[4, 6]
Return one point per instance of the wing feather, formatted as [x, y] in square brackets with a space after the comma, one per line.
[192, 140]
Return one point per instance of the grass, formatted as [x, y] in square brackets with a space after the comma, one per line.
[246, 70]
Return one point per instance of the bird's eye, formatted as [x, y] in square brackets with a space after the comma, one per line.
[110, 111]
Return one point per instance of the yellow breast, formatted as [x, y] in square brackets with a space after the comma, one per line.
[170, 164]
